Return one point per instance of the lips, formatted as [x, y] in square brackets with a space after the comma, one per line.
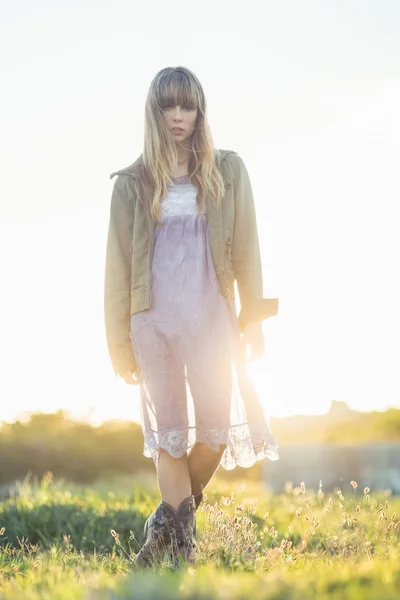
[177, 129]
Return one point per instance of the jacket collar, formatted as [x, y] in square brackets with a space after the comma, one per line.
[133, 169]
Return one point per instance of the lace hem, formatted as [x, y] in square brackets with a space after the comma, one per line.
[243, 449]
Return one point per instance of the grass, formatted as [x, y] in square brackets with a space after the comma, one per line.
[59, 540]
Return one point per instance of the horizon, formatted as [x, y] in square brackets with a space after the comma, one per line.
[25, 417]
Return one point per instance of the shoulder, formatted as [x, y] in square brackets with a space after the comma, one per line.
[225, 156]
[123, 191]
[230, 157]
[124, 184]
[131, 170]
[232, 164]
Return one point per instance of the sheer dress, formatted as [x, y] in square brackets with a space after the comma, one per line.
[187, 348]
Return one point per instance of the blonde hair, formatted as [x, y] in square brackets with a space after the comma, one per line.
[170, 87]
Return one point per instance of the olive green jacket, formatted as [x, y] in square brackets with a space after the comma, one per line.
[234, 244]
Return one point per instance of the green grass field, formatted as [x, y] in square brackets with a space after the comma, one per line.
[63, 541]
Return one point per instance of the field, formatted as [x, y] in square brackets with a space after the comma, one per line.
[63, 541]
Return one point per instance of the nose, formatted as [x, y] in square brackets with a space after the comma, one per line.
[177, 116]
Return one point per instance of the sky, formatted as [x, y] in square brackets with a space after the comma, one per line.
[307, 93]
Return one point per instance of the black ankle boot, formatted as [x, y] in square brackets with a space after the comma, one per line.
[149, 523]
[183, 533]
[158, 537]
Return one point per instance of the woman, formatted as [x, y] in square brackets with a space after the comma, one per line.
[182, 230]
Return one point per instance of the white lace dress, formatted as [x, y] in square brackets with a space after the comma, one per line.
[186, 348]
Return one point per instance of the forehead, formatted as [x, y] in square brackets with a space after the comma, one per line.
[177, 89]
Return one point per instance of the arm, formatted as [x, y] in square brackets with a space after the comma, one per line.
[117, 283]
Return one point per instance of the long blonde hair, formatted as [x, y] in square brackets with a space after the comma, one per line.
[170, 87]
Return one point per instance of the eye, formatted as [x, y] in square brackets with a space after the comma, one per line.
[166, 107]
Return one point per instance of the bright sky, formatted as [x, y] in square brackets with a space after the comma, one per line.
[308, 93]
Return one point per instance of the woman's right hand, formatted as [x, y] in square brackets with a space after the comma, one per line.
[130, 377]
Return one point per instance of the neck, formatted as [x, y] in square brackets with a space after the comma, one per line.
[183, 155]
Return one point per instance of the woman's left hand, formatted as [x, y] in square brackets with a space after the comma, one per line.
[253, 336]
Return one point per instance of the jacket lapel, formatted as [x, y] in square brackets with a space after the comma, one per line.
[215, 222]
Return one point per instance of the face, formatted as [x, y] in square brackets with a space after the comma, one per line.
[181, 117]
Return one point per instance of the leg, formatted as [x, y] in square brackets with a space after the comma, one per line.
[209, 374]
[172, 525]
[164, 409]
[203, 462]
[173, 478]
[176, 491]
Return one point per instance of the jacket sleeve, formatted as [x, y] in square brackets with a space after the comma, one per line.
[117, 281]
[246, 258]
